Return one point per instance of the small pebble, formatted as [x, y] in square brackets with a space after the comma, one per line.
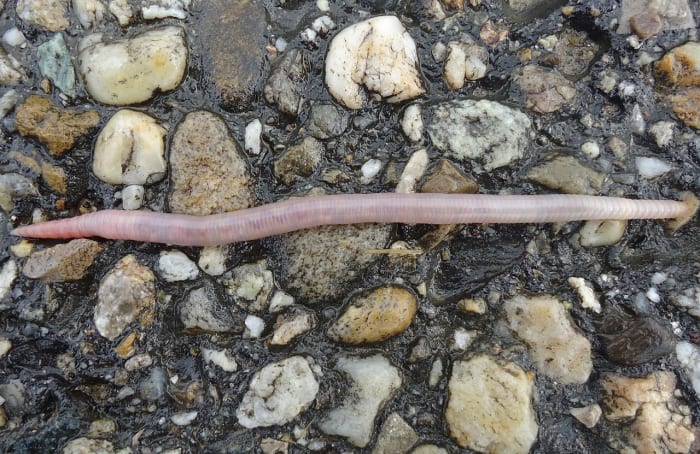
[588, 416]
[138, 362]
[412, 122]
[601, 233]
[221, 358]
[14, 37]
[591, 149]
[212, 260]
[650, 168]
[280, 300]
[253, 131]
[183, 418]
[370, 169]
[132, 197]
[585, 293]
[174, 266]
[254, 326]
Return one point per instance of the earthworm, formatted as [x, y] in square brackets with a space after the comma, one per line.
[306, 212]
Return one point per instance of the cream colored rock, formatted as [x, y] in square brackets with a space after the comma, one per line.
[134, 70]
[681, 65]
[377, 53]
[554, 344]
[601, 233]
[464, 61]
[490, 406]
[130, 150]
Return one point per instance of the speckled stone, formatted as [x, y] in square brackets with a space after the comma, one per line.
[63, 262]
[686, 105]
[680, 66]
[567, 174]
[545, 90]
[50, 15]
[208, 171]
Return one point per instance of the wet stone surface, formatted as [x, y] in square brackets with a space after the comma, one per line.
[542, 338]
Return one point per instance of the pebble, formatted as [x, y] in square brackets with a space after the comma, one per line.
[132, 197]
[377, 53]
[545, 90]
[446, 178]
[591, 149]
[288, 327]
[5, 346]
[573, 53]
[254, 326]
[83, 445]
[122, 11]
[127, 346]
[462, 339]
[208, 171]
[374, 380]
[588, 298]
[429, 449]
[690, 300]
[8, 100]
[130, 149]
[252, 141]
[412, 122]
[251, 285]
[160, 9]
[674, 14]
[221, 358]
[662, 131]
[375, 316]
[637, 122]
[395, 436]
[56, 65]
[412, 172]
[152, 388]
[436, 373]
[8, 274]
[279, 392]
[556, 347]
[472, 305]
[279, 301]
[175, 266]
[11, 71]
[686, 106]
[464, 61]
[680, 66]
[14, 37]
[588, 416]
[89, 12]
[57, 128]
[486, 131]
[183, 418]
[567, 174]
[688, 356]
[370, 169]
[647, 24]
[649, 168]
[212, 260]
[286, 81]
[647, 412]
[51, 15]
[203, 310]
[327, 121]
[639, 341]
[138, 362]
[14, 185]
[126, 293]
[494, 394]
[133, 70]
[63, 262]
[601, 233]
[299, 161]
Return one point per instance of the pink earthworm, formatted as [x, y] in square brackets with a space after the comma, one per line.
[307, 212]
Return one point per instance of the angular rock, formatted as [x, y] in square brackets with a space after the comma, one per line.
[567, 174]
[327, 121]
[285, 85]
[14, 185]
[395, 436]
[545, 90]
[209, 174]
[465, 60]
[289, 327]
[63, 262]
[554, 344]
[203, 310]
[174, 266]
[51, 15]
[686, 106]
[59, 129]
[130, 71]
[55, 64]
[279, 392]
[89, 12]
[299, 160]
[638, 341]
[54, 176]
[126, 293]
[11, 71]
[497, 396]
[375, 316]
[485, 131]
[250, 285]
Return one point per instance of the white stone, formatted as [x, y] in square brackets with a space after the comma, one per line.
[89, 12]
[8, 102]
[689, 356]
[160, 9]
[464, 61]
[585, 292]
[588, 416]
[412, 122]
[175, 266]
[374, 381]
[183, 418]
[652, 295]
[252, 142]
[8, 274]
[131, 71]
[490, 406]
[637, 122]
[651, 167]
[601, 233]
[462, 339]
[322, 25]
[370, 169]
[14, 37]
[556, 347]
[221, 358]
[377, 53]
[5, 346]
[254, 326]
[591, 149]
[323, 5]
[251, 285]
[662, 132]
[122, 11]
[436, 371]
[212, 260]
[132, 197]
[414, 170]
[690, 300]
[130, 149]
[279, 392]
[137, 362]
[288, 328]
[279, 301]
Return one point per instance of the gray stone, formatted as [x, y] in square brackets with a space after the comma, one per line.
[327, 121]
[299, 160]
[56, 65]
[286, 81]
[203, 310]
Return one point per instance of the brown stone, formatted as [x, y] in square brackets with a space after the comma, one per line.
[545, 90]
[680, 66]
[567, 174]
[445, 178]
[646, 24]
[686, 105]
[53, 176]
[57, 128]
[63, 262]
[233, 34]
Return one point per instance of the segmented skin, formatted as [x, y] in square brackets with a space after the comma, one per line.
[307, 212]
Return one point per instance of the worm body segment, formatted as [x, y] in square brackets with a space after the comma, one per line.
[307, 212]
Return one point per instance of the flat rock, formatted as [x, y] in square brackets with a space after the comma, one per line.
[55, 64]
[483, 131]
[373, 382]
[204, 310]
[497, 396]
[131, 71]
[556, 347]
[63, 262]
[545, 90]
[279, 392]
[127, 293]
[327, 121]
[57, 128]
[569, 175]
[375, 316]
[208, 171]
[234, 37]
[51, 15]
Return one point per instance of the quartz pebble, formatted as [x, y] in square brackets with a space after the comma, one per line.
[63, 262]
[5, 346]
[493, 394]
[251, 285]
[160, 9]
[412, 122]
[377, 53]
[122, 11]
[279, 301]
[254, 326]
[130, 149]
[175, 266]
[554, 344]
[130, 71]
[253, 131]
[289, 327]
[662, 132]
[14, 37]
[183, 418]
[11, 71]
[212, 260]
[588, 416]
[221, 358]
[601, 233]
[82, 445]
[465, 60]
[585, 293]
[132, 197]
[279, 392]
[89, 12]
[412, 172]
[689, 356]
[8, 274]
[651, 167]
[373, 382]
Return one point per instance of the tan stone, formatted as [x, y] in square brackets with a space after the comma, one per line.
[63, 262]
[686, 105]
[680, 66]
